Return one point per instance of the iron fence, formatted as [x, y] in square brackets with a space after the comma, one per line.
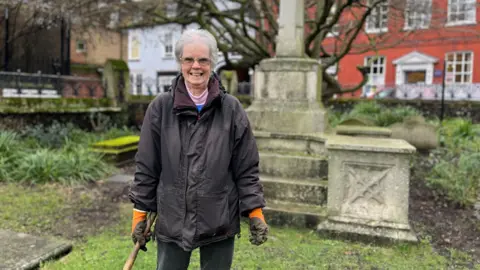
[35, 85]
[469, 91]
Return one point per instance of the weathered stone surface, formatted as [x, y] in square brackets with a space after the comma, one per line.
[365, 131]
[285, 97]
[313, 144]
[23, 251]
[382, 145]
[295, 190]
[293, 166]
[366, 231]
[368, 187]
[417, 132]
[294, 214]
[477, 207]
[357, 121]
[291, 27]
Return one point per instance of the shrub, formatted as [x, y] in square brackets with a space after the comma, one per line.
[10, 148]
[379, 114]
[52, 136]
[27, 161]
[71, 164]
[456, 175]
[457, 178]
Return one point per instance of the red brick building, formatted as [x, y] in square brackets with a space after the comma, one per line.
[445, 31]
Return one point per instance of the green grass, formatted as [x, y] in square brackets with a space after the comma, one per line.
[37, 210]
[286, 249]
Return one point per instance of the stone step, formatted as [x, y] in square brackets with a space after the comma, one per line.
[310, 191]
[280, 142]
[293, 165]
[296, 215]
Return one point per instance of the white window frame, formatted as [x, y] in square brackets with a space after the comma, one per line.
[380, 81]
[164, 80]
[131, 36]
[380, 10]
[78, 44]
[168, 45]
[463, 64]
[134, 89]
[451, 12]
[414, 13]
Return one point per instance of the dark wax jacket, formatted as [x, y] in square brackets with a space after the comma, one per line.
[198, 171]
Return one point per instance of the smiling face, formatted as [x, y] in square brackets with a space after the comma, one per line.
[196, 65]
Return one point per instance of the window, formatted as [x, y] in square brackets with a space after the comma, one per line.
[377, 21]
[134, 47]
[418, 14]
[459, 67]
[461, 12]
[136, 83]
[164, 81]
[81, 46]
[375, 73]
[168, 45]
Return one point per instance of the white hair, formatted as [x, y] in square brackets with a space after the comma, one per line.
[197, 35]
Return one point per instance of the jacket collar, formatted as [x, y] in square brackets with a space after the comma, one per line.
[182, 101]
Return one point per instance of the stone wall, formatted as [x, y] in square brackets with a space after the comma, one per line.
[429, 108]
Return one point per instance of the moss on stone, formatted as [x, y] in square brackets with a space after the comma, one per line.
[117, 64]
[86, 68]
[53, 105]
[125, 141]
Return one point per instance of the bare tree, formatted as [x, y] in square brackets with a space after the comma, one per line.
[250, 27]
[36, 24]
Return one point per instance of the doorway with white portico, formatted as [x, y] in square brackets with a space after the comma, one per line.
[414, 68]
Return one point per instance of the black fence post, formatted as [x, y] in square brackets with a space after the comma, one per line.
[442, 106]
[7, 36]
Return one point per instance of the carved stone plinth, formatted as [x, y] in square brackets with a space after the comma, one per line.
[368, 188]
[285, 97]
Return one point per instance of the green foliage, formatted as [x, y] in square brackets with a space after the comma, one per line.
[456, 174]
[58, 153]
[68, 165]
[290, 249]
[379, 114]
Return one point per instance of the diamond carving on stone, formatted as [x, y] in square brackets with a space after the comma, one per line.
[365, 196]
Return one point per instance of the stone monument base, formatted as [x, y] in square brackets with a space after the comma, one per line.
[356, 229]
[282, 118]
[285, 97]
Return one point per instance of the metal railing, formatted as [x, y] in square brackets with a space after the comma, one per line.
[469, 91]
[38, 85]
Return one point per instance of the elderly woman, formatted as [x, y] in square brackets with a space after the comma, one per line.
[197, 165]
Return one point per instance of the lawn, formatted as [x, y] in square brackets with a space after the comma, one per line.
[108, 246]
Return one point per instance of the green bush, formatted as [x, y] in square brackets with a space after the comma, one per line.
[55, 136]
[51, 160]
[456, 175]
[457, 178]
[379, 114]
[68, 165]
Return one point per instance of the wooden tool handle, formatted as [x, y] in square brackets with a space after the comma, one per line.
[133, 255]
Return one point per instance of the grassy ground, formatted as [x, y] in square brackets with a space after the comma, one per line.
[38, 210]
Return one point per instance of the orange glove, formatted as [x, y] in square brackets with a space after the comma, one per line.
[138, 216]
[139, 225]
[258, 227]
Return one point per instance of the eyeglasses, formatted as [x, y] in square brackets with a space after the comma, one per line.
[190, 60]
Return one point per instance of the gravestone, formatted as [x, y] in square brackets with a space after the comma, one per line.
[23, 251]
[368, 188]
[286, 86]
